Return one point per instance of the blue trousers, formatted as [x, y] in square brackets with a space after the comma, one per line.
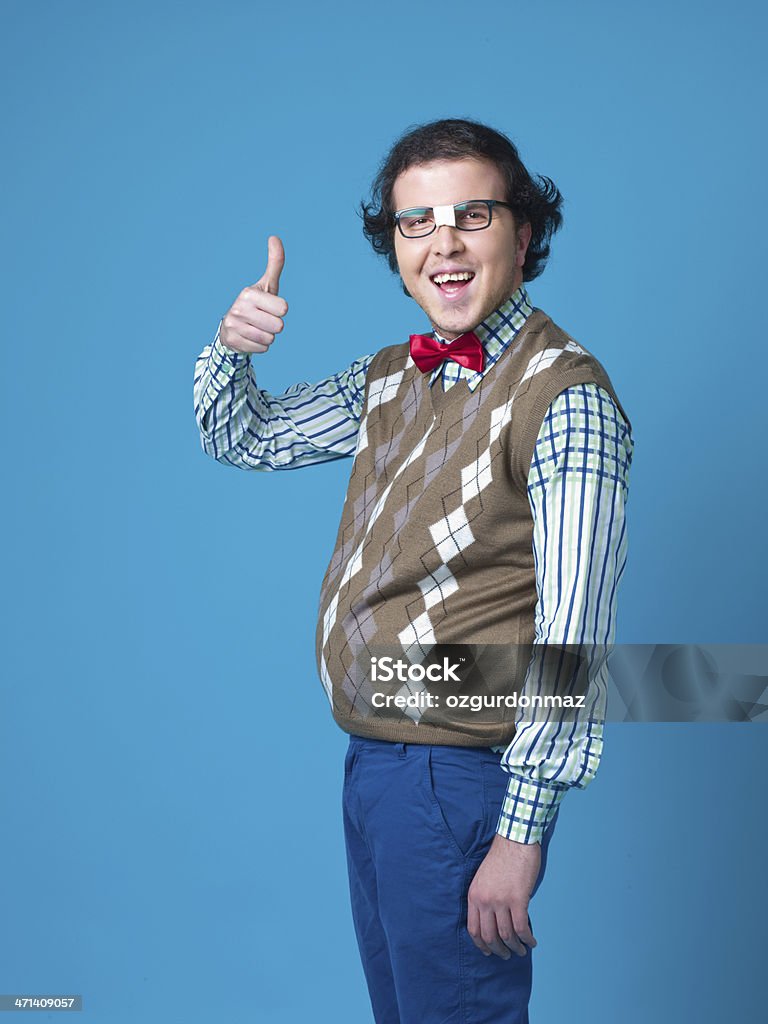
[418, 821]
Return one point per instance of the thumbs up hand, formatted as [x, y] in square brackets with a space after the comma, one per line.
[256, 315]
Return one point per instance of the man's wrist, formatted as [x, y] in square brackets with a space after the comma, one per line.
[528, 809]
[503, 843]
[223, 354]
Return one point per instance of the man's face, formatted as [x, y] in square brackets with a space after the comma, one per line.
[494, 256]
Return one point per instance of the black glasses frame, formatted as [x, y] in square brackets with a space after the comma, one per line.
[490, 203]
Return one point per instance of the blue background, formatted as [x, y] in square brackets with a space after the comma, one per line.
[170, 775]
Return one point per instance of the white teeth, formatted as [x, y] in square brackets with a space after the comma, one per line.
[442, 278]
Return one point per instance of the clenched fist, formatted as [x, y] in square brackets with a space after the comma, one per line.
[256, 315]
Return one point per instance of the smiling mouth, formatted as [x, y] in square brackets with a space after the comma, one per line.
[453, 285]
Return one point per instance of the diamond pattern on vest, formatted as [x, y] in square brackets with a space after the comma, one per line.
[434, 545]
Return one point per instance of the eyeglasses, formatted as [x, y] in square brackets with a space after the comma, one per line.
[473, 215]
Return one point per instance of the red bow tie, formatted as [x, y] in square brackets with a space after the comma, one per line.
[428, 353]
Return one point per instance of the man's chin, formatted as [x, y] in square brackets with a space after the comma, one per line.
[466, 313]
[462, 316]
[458, 324]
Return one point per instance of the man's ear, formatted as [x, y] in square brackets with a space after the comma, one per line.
[524, 233]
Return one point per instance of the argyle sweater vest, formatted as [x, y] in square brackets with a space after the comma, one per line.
[435, 544]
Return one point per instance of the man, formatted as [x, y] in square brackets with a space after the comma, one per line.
[485, 507]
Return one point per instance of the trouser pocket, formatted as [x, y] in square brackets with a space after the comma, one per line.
[455, 784]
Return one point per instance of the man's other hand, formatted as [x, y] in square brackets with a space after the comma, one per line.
[497, 910]
[256, 315]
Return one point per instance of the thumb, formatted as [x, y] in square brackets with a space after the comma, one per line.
[270, 281]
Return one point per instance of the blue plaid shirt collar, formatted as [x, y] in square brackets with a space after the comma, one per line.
[496, 333]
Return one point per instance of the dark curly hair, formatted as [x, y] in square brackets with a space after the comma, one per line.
[534, 199]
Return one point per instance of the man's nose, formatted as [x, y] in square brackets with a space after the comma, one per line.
[447, 240]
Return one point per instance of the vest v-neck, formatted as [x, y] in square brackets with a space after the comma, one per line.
[441, 400]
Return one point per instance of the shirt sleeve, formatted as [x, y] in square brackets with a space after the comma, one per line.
[577, 489]
[241, 425]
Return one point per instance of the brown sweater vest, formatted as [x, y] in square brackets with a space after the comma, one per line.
[435, 541]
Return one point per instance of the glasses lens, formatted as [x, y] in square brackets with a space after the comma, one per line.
[473, 216]
[414, 223]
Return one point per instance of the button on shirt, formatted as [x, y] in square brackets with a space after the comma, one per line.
[577, 490]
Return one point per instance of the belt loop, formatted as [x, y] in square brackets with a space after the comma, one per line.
[400, 747]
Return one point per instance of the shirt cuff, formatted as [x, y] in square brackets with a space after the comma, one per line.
[224, 367]
[528, 809]
[221, 354]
